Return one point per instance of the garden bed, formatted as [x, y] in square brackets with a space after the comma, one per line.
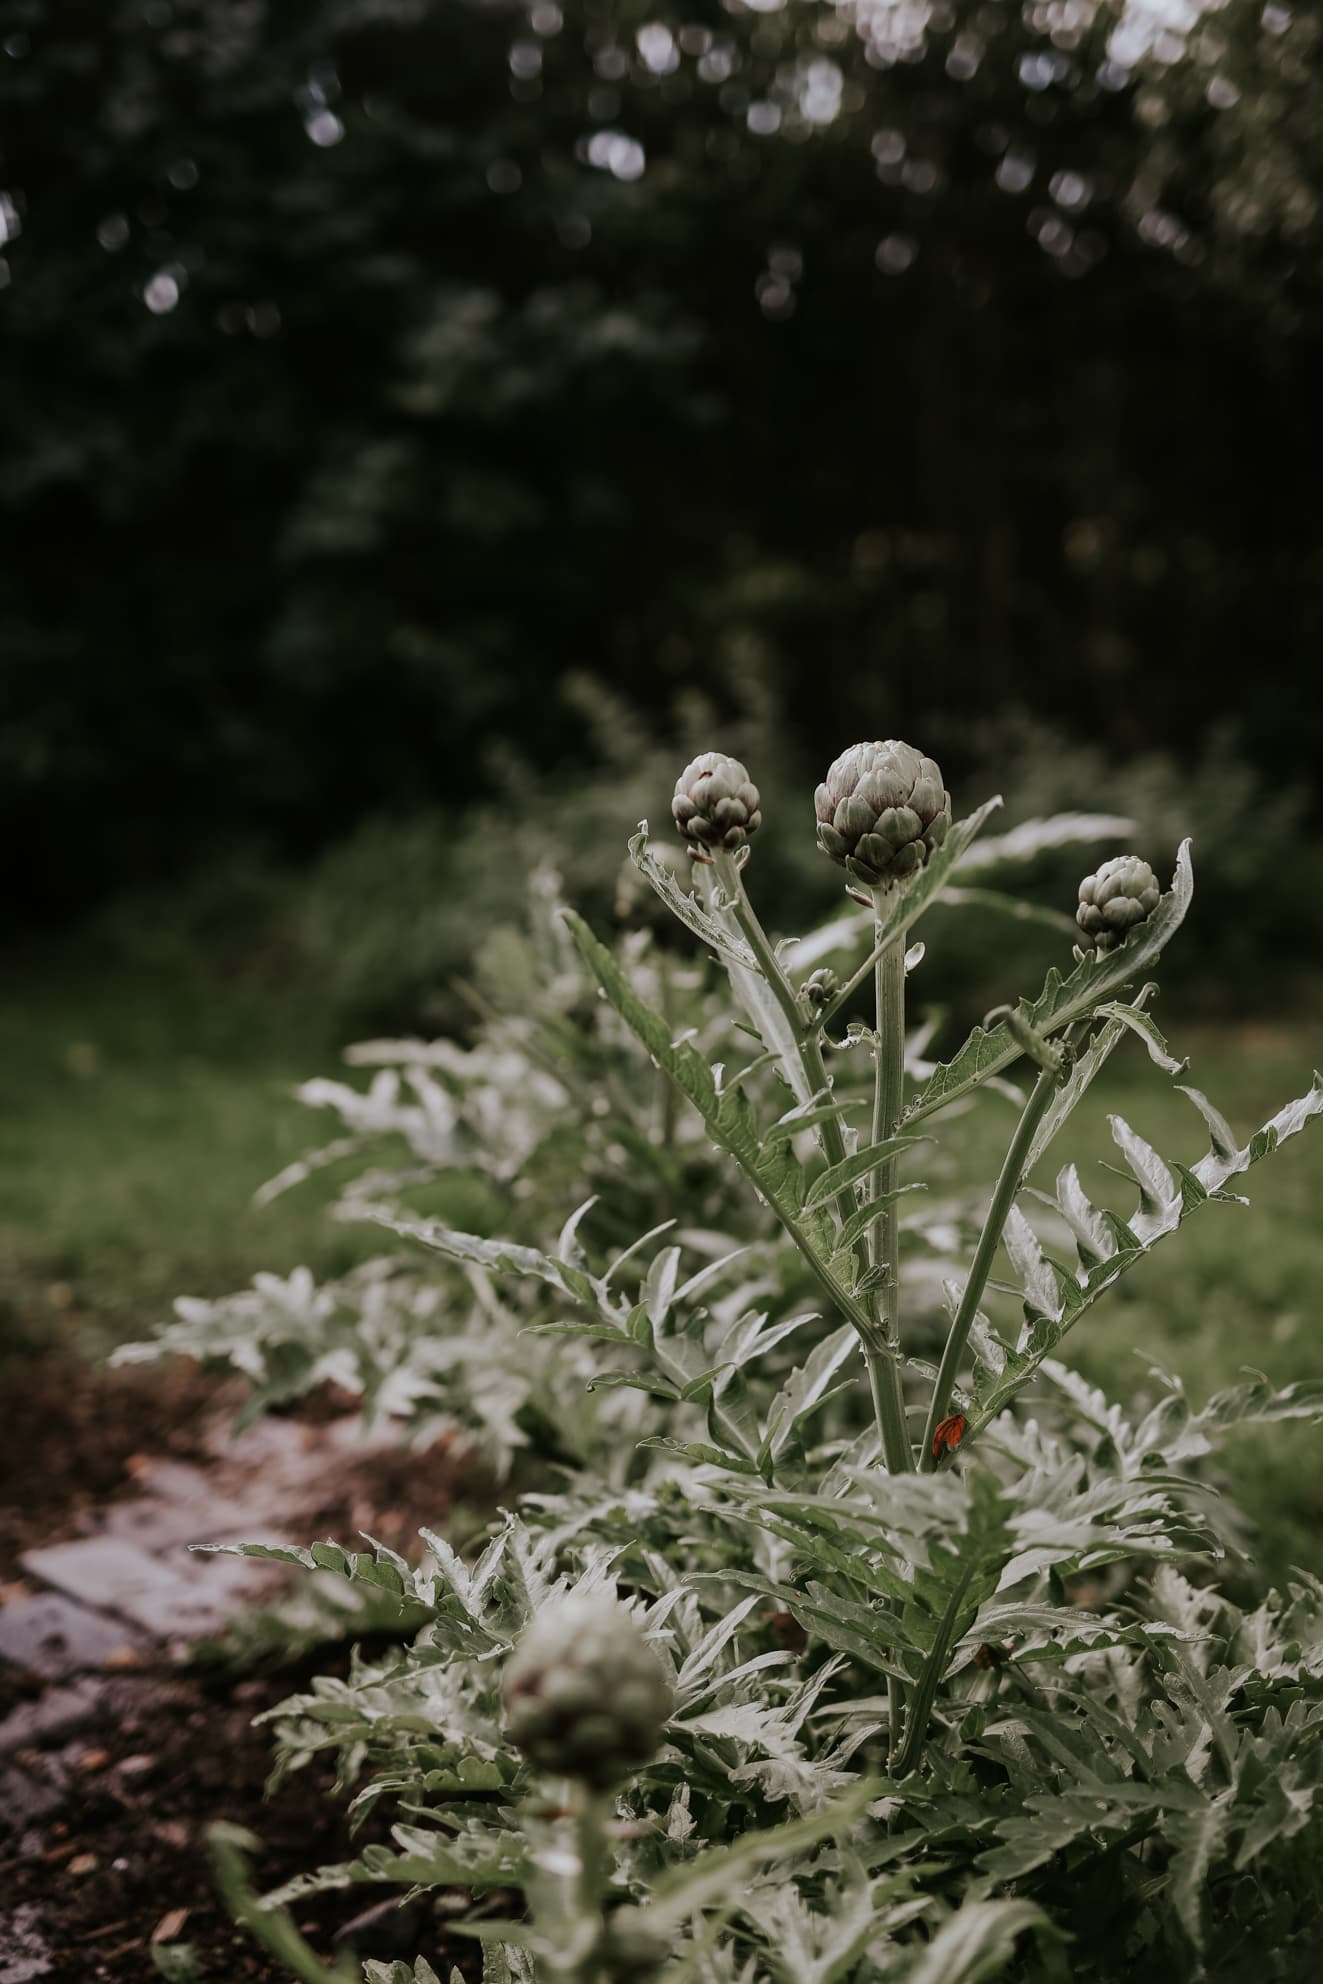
[103, 1821]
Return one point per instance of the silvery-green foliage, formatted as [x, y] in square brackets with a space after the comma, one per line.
[957, 1690]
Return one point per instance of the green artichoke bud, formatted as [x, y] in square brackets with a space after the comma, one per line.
[1112, 902]
[882, 809]
[585, 1695]
[820, 988]
[716, 804]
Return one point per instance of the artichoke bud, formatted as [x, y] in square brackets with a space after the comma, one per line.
[882, 809]
[585, 1695]
[716, 805]
[1115, 901]
[819, 989]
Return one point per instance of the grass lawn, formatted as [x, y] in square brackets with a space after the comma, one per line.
[143, 1106]
[1237, 1289]
[141, 1110]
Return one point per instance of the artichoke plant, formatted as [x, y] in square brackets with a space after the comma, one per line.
[716, 804]
[882, 809]
[1122, 893]
[585, 1695]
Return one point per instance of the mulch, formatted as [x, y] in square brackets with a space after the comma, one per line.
[121, 1858]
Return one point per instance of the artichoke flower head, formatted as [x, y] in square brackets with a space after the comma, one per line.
[585, 1695]
[882, 809]
[716, 805]
[1121, 895]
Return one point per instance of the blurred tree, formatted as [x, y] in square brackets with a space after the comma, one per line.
[374, 364]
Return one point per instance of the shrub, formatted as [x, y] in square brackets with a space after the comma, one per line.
[952, 1686]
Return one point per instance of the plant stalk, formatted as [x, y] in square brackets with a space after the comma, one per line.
[666, 1091]
[808, 1051]
[925, 1692]
[882, 1364]
[881, 941]
[884, 1239]
[884, 1234]
[573, 1920]
[1003, 1197]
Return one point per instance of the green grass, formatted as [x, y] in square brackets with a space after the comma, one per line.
[1237, 1289]
[143, 1106]
[144, 1102]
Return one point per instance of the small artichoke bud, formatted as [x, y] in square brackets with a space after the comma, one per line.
[716, 804]
[882, 809]
[819, 989]
[585, 1695]
[1115, 900]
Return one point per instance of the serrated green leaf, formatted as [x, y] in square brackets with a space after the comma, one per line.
[659, 1284]
[634, 1248]
[632, 1381]
[805, 1390]
[732, 1417]
[568, 1246]
[1093, 1236]
[1038, 1282]
[1038, 836]
[712, 929]
[1062, 1001]
[1142, 1025]
[837, 1177]
[726, 1116]
[1083, 1072]
[1157, 1186]
[500, 1256]
[859, 1222]
[1259, 1404]
[978, 1941]
[809, 1116]
[682, 1892]
[695, 1451]
[1198, 1838]
[1224, 1137]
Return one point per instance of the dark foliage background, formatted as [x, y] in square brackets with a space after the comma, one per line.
[377, 366]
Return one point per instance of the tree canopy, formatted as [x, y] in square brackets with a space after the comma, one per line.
[373, 364]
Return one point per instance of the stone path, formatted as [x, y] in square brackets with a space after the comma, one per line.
[131, 1594]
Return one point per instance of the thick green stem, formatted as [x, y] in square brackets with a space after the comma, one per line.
[666, 1091]
[569, 1910]
[848, 990]
[1003, 1197]
[886, 931]
[925, 1692]
[884, 1237]
[883, 1368]
[884, 1234]
[808, 1051]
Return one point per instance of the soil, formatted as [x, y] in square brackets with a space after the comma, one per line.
[80, 1436]
[119, 1857]
[124, 1858]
